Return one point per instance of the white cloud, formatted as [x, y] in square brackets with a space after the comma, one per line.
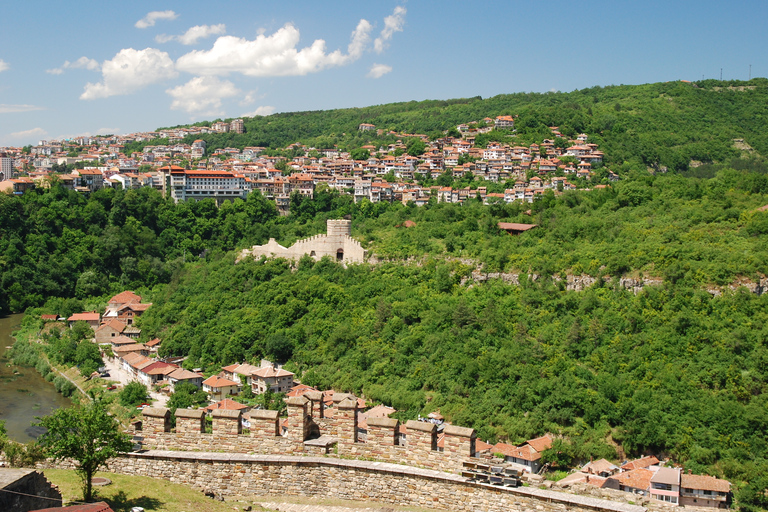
[261, 111]
[11, 109]
[129, 71]
[81, 63]
[392, 24]
[379, 70]
[151, 18]
[3, 65]
[249, 98]
[28, 134]
[202, 95]
[274, 55]
[194, 34]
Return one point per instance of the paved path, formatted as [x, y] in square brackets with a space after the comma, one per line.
[73, 383]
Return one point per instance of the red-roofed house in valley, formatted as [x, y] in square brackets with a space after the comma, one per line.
[277, 379]
[228, 405]
[151, 374]
[704, 491]
[153, 344]
[49, 318]
[299, 390]
[182, 375]
[91, 318]
[636, 481]
[601, 468]
[109, 330]
[219, 388]
[643, 462]
[100, 506]
[123, 298]
[527, 455]
[482, 448]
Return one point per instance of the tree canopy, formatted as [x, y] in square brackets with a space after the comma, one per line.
[88, 435]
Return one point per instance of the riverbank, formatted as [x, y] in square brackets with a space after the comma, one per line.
[24, 393]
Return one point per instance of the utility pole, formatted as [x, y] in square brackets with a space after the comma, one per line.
[750, 71]
[721, 74]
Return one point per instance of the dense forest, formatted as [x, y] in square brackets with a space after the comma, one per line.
[679, 368]
[660, 125]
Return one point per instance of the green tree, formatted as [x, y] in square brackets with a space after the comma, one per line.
[360, 154]
[86, 434]
[133, 394]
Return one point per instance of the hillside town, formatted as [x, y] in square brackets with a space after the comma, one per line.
[117, 335]
[387, 173]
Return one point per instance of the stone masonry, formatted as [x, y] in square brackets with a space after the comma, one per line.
[337, 244]
[242, 475]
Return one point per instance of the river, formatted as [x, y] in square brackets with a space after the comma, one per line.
[25, 394]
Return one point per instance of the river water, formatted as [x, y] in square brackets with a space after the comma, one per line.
[24, 394]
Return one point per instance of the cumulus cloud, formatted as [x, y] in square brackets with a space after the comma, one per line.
[202, 95]
[194, 34]
[151, 18]
[81, 63]
[3, 65]
[273, 55]
[12, 109]
[392, 24]
[249, 98]
[261, 111]
[28, 134]
[379, 70]
[129, 71]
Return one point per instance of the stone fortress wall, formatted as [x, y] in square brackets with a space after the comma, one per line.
[233, 475]
[337, 244]
[310, 454]
[307, 431]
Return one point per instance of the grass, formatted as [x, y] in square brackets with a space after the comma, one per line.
[126, 492]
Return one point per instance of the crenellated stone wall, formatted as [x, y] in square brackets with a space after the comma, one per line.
[229, 475]
[306, 431]
[336, 244]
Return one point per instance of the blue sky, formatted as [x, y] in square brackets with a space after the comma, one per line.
[69, 69]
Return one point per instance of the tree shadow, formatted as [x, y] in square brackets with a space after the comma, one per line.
[120, 502]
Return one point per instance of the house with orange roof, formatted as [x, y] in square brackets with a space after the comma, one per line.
[643, 462]
[92, 318]
[219, 388]
[109, 330]
[636, 481]
[527, 455]
[227, 404]
[704, 491]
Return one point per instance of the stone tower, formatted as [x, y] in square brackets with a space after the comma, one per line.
[339, 228]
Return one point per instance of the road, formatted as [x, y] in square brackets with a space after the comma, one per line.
[122, 376]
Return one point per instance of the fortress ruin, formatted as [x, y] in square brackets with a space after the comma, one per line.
[337, 244]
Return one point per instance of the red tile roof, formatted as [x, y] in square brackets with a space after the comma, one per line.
[643, 462]
[217, 382]
[227, 404]
[90, 316]
[126, 297]
[636, 478]
[90, 507]
[541, 443]
[704, 482]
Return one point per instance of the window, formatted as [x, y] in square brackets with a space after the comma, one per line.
[663, 487]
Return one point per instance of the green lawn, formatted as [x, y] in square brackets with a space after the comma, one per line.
[126, 492]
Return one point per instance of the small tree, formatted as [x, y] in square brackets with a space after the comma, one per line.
[88, 435]
[133, 394]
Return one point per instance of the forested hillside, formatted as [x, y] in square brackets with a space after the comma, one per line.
[680, 368]
[655, 125]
